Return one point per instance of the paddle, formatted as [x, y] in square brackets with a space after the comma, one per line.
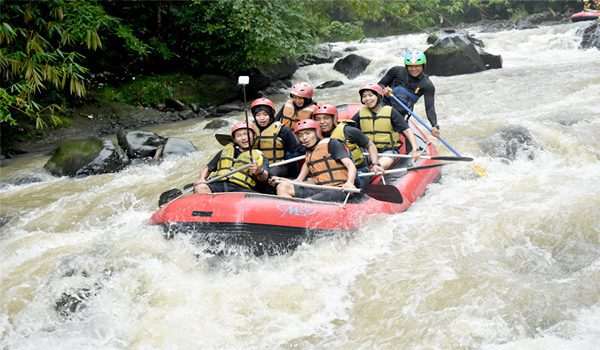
[449, 158]
[384, 193]
[403, 170]
[244, 80]
[456, 153]
[175, 193]
[224, 139]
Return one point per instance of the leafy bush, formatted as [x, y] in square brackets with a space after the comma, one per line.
[43, 52]
[338, 31]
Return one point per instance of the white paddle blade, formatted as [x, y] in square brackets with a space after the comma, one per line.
[243, 80]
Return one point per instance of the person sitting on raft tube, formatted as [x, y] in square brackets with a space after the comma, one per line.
[234, 156]
[275, 140]
[300, 106]
[341, 127]
[327, 163]
[408, 84]
[382, 124]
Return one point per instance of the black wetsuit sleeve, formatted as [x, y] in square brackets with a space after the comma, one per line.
[398, 122]
[429, 94]
[292, 147]
[392, 75]
[212, 164]
[356, 119]
[338, 150]
[354, 135]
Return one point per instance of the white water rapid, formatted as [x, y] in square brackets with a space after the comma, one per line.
[510, 260]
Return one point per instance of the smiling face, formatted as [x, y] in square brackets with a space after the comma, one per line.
[262, 118]
[240, 137]
[369, 99]
[308, 137]
[415, 70]
[325, 122]
[298, 101]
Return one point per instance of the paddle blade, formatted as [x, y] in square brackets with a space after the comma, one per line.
[421, 167]
[223, 139]
[384, 193]
[168, 196]
[451, 158]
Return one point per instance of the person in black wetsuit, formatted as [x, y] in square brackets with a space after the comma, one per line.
[408, 84]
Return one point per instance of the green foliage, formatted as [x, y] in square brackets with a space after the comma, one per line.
[338, 31]
[43, 46]
[233, 35]
[153, 90]
[147, 91]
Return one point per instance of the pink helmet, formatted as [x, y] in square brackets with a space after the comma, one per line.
[242, 125]
[306, 124]
[263, 101]
[376, 88]
[328, 109]
[303, 89]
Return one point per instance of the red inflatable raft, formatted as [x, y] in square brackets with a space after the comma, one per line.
[588, 15]
[267, 223]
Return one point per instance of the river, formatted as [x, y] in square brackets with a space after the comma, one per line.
[509, 260]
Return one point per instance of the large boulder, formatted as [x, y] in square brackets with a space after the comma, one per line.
[140, 144]
[177, 147]
[263, 76]
[110, 159]
[82, 157]
[352, 65]
[321, 54]
[591, 37]
[456, 53]
[509, 142]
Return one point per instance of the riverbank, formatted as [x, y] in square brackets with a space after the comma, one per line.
[159, 99]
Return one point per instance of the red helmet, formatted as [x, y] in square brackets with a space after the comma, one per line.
[242, 125]
[326, 109]
[306, 124]
[303, 89]
[376, 88]
[263, 101]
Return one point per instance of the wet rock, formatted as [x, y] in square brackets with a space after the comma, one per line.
[352, 65]
[330, 84]
[175, 104]
[491, 61]
[216, 124]
[73, 302]
[263, 76]
[4, 220]
[187, 114]
[177, 147]
[24, 180]
[322, 54]
[591, 37]
[110, 159]
[350, 49]
[195, 107]
[140, 144]
[230, 107]
[510, 142]
[524, 23]
[73, 155]
[458, 52]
